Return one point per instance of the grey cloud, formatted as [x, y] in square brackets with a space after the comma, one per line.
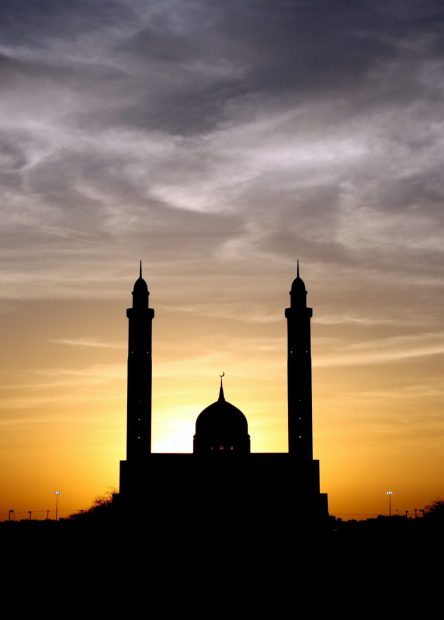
[244, 130]
[190, 65]
[32, 22]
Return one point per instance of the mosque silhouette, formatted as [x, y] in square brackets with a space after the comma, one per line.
[222, 475]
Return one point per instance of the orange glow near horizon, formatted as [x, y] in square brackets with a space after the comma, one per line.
[63, 402]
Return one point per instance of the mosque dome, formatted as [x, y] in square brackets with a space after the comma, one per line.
[221, 428]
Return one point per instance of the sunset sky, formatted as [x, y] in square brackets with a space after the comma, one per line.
[219, 141]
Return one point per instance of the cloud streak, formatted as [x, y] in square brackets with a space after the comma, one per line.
[87, 342]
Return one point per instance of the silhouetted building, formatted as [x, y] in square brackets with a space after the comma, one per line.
[222, 473]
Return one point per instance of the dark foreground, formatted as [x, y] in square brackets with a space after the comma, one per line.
[242, 567]
[219, 538]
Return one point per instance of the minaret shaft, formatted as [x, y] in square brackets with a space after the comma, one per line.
[140, 318]
[299, 380]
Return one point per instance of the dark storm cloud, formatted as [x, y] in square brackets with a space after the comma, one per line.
[201, 63]
[188, 64]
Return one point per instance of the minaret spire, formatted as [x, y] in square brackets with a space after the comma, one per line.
[297, 269]
[140, 269]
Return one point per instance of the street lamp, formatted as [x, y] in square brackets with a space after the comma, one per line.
[11, 512]
[57, 493]
[390, 493]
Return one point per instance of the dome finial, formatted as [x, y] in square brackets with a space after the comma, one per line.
[140, 269]
[297, 269]
[221, 390]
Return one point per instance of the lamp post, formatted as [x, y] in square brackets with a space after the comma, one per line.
[47, 514]
[57, 493]
[30, 515]
[390, 493]
[11, 512]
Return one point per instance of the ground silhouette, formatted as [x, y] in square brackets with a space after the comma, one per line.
[104, 559]
[162, 532]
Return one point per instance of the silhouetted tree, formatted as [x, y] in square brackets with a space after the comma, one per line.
[435, 510]
[101, 508]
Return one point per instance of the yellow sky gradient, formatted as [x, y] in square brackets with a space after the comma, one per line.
[377, 405]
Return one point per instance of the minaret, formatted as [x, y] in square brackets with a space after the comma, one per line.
[300, 425]
[140, 317]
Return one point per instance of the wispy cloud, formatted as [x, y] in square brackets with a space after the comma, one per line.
[382, 350]
[229, 310]
[87, 342]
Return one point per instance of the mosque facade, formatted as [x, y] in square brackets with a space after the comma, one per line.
[222, 474]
